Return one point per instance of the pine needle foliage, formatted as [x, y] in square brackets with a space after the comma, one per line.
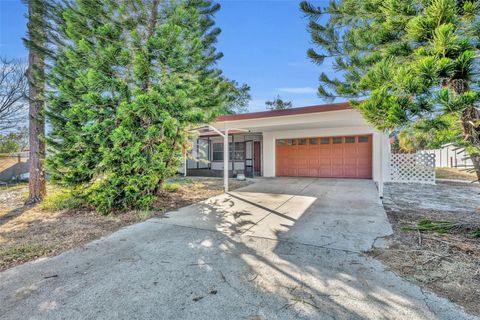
[401, 62]
[278, 104]
[128, 81]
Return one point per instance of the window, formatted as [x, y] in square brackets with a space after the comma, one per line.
[291, 142]
[325, 140]
[302, 142]
[313, 140]
[363, 139]
[239, 151]
[280, 142]
[349, 139]
[337, 140]
[217, 151]
[237, 155]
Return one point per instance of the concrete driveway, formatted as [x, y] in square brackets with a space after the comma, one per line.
[277, 249]
[333, 213]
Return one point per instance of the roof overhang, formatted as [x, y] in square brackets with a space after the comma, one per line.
[326, 116]
[286, 112]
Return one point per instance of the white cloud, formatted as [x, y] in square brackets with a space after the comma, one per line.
[299, 90]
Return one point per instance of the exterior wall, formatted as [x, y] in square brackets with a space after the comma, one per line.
[378, 158]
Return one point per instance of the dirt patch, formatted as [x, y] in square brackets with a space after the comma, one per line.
[28, 232]
[448, 263]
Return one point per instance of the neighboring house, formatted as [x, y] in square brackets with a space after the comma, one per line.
[14, 167]
[451, 156]
[330, 140]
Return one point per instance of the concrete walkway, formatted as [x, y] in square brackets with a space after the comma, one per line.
[277, 249]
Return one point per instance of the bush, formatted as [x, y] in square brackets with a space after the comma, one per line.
[171, 186]
[59, 199]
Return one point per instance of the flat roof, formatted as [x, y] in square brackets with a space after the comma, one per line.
[286, 112]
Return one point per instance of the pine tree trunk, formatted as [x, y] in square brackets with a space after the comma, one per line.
[36, 187]
[471, 130]
[470, 119]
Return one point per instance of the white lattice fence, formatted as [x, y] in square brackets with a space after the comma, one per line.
[418, 168]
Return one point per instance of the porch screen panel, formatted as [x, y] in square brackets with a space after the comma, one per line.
[203, 154]
[192, 156]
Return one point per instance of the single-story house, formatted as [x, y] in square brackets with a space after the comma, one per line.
[331, 140]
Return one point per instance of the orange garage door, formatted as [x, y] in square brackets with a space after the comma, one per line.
[335, 157]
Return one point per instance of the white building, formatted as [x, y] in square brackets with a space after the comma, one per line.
[318, 141]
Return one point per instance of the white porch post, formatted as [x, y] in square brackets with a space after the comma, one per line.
[225, 154]
[225, 161]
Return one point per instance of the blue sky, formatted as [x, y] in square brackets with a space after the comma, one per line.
[264, 45]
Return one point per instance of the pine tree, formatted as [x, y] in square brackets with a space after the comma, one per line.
[403, 62]
[278, 104]
[130, 82]
[87, 82]
[238, 99]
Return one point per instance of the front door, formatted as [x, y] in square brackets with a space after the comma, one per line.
[257, 157]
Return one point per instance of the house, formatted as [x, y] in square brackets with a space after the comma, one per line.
[14, 167]
[331, 141]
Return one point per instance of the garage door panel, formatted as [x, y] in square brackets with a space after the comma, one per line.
[326, 161]
[363, 162]
[349, 156]
[337, 162]
[304, 172]
[325, 172]
[292, 172]
[301, 161]
[350, 171]
[350, 162]
[364, 173]
[337, 171]
[350, 152]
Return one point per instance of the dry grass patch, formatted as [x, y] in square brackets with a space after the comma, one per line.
[454, 174]
[434, 242]
[31, 232]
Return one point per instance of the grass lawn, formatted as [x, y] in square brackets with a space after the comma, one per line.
[31, 232]
[454, 174]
